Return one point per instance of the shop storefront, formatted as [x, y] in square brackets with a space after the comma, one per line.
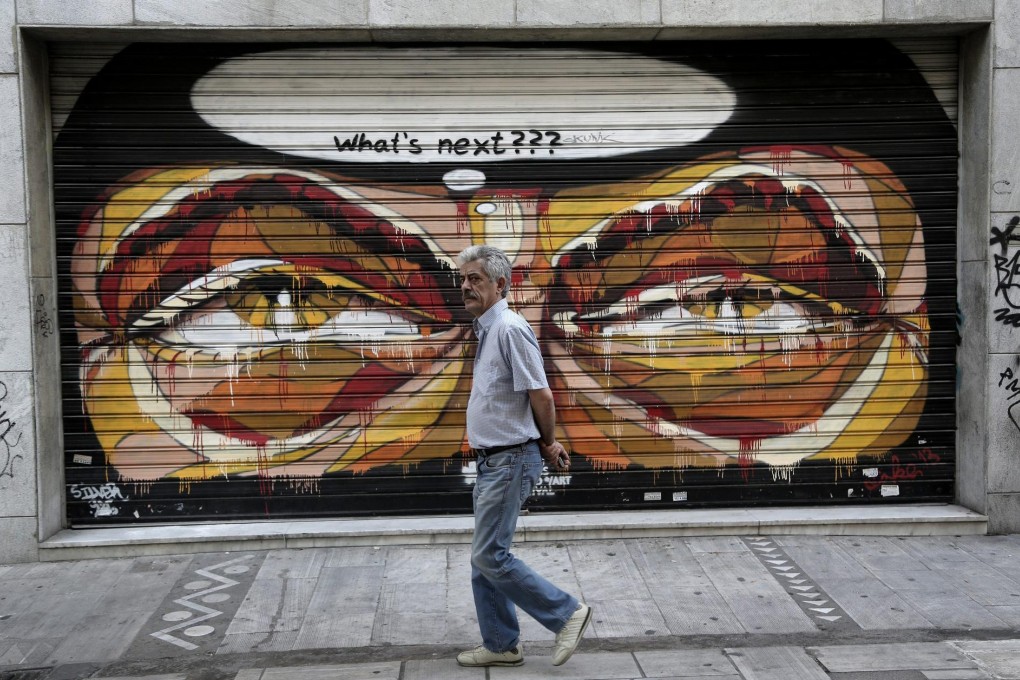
[739, 259]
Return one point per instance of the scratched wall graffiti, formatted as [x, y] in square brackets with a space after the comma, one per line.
[742, 284]
[1010, 384]
[44, 323]
[10, 438]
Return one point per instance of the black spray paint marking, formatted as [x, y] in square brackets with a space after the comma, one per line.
[362, 142]
[1013, 389]
[42, 318]
[1007, 271]
[7, 455]
[1004, 238]
[496, 144]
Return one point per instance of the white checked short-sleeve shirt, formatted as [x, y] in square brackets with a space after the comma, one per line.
[508, 363]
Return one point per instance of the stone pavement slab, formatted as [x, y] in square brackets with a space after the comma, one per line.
[680, 588]
[879, 553]
[342, 609]
[775, 663]
[441, 669]
[940, 601]
[889, 675]
[358, 671]
[958, 674]
[891, 657]
[757, 598]
[682, 663]
[603, 666]
[999, 657]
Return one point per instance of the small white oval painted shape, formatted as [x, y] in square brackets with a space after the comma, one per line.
[199, 631]
[197, 585]
[460, 104]
[464, 179]
[177, 616]
[485, 208]
[213, 598]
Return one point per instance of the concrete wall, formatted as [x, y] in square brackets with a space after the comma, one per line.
[1003, 342]
[30, 450]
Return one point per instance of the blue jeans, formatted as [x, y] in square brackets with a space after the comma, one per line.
[498, 579]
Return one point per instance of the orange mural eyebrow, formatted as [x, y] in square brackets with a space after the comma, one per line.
[832, 270]
[168, 252]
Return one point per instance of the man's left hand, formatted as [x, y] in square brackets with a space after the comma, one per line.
[555, 456]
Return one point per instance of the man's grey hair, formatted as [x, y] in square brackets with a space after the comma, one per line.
[494, 261]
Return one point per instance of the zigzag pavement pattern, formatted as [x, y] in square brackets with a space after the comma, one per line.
[813, 600]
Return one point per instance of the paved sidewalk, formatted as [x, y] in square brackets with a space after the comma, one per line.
[755, 607]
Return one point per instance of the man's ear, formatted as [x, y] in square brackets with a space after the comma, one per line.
[501, 284]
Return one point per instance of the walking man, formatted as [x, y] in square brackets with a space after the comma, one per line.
[511, 422]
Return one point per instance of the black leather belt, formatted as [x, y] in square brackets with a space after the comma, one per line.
[493, 450]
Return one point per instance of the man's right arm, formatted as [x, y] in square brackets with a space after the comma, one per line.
[543, 406]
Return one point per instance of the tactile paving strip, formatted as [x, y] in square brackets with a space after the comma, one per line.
[813, 600]
[196, 613]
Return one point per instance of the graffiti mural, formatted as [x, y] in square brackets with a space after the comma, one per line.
[738, 259]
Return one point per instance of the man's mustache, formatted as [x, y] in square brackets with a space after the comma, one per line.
[470, 296]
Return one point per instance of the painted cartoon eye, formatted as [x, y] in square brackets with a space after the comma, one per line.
[716, 304]
[294, 249]
[750, 315]
[257, 303]
[743, 252]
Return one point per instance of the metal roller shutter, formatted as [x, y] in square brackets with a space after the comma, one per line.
[739, 258]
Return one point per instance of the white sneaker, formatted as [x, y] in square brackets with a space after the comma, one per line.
[480, 656]
[570, 635]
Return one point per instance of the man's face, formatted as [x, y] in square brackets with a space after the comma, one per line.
[478, 290]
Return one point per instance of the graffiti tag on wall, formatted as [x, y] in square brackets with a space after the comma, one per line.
[102, 498]
[9, 439]
[43, 321]
[1011, 384]
[1007, 272]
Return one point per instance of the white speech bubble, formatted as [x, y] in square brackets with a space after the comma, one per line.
[460, 105]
